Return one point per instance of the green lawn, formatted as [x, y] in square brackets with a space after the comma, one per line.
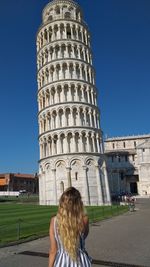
[26, 221]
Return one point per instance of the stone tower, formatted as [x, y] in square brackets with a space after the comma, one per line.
[70, 138]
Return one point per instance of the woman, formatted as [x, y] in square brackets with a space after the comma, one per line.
[68, 231]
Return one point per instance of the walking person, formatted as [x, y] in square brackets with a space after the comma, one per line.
[68, 230]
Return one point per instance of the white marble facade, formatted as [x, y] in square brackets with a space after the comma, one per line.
[70, 137]
[128, 163]
[143, 160]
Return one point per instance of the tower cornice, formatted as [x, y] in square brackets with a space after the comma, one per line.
[55, 2]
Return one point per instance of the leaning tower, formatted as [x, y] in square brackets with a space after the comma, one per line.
[70, 137]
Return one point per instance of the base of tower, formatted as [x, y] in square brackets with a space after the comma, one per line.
[86, 173]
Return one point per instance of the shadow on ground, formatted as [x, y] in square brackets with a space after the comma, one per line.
[94, 261]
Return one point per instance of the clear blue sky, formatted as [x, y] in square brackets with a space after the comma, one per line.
[121, 49]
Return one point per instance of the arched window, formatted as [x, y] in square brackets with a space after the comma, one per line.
[62, 187]
[50, 18]
[76, 176]
[67, 15]
[57, 10]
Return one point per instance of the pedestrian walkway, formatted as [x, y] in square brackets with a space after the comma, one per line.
[122, 241]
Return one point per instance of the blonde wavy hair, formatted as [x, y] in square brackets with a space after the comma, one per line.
[70, 220]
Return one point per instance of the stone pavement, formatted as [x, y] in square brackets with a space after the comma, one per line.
[122, 241]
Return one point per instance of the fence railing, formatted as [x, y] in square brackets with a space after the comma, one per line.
[23, 229]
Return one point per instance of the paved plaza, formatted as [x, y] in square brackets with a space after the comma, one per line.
[122, 241]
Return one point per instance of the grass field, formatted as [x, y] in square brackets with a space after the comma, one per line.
[21, 220]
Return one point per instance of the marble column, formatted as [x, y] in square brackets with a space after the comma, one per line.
[86, 186]
[54, 186]
[98, 145]
[108, 200]
[69, 176]
[99, 186]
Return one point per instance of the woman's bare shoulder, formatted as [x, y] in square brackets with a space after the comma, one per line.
[52, 220]
[86, 225]
[85, 222]
[85, 218]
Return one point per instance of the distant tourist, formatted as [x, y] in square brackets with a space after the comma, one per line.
[131, 202]
[68, 230]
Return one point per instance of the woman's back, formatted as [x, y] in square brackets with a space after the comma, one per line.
[68, 231]
[62, 257]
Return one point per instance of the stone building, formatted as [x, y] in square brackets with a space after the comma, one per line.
[18, 182]
[143, 158]
[70, 137]
[128, 164]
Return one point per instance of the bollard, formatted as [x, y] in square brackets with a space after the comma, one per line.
[103, 210]
[18, 228]
[111, 210]
[131, 207]
[117, 209]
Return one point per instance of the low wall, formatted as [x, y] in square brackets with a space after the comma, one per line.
[9, 194]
